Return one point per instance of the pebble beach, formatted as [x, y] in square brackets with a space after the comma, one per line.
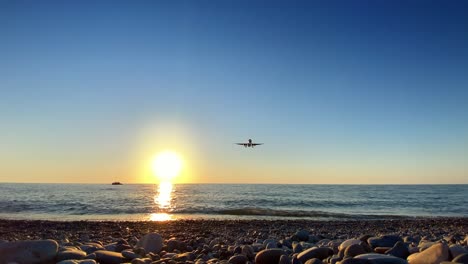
[411, 240]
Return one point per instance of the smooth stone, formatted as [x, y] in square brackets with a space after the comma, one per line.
[268, 256]
[297, 248]
[381, 259]
[172, 244]
[423, 245]
[354, 250]
[382, 250]
[320, 253]
[284, 260]
[302, 235]
[129, 254]
[400, 250]
[456, 250]
[433, 255]
[151, 242]
[348, 243]
[272, 245]
[71, 254]
[31, 252]
[74, 261]
[238, 259]
[355, 261]
[248, 251]
[463, 258]
[109, 257]
[314, 261]
[384, 241]
[142, 261]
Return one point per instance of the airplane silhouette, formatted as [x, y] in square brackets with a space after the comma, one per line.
[249, 144]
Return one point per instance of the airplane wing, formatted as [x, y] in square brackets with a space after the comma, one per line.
[240, 144]
[256, 144]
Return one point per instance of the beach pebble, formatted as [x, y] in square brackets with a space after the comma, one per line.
[71, 254]
[354, 250]
[320, 253]
[238, 259]
[383, 241]
[463, 258]
[297, 248]
[142, 261]
[381, 259]
[268, 256]
[314, 261]
[74, 261]
[284, 260]
[355, 261]
[172, 244]
[109, 257]
[348, 243]
[433, 255]
[456, 250]
[248, 251]
[37, 251]
[129, 254]
[151, 242]
[400, 250]
[302, 235]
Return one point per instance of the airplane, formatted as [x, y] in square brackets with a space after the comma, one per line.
[250, 144]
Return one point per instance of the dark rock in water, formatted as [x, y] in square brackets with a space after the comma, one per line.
[302, 235]
[109, 257]
[400, 250]
[354, 250]
[151, 242]
[384, 241]
[70, 254]
[31, 252]
[238, 259]
[463, 258]
[434, 254]
[320, 253]
[268, 256]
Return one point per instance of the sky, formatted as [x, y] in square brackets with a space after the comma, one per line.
[340, 92]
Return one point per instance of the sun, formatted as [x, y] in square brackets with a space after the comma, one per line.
[166, 165]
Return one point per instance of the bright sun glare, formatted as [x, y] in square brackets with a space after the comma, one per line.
[166, 165]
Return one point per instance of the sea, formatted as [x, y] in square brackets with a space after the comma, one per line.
[166, 201]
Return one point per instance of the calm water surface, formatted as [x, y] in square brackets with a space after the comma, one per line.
[167, 201]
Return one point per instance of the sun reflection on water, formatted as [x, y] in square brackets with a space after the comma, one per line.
[163, 200]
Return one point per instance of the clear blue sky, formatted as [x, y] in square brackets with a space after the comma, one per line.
[339, 91]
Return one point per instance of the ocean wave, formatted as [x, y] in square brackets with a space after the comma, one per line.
[255, 211]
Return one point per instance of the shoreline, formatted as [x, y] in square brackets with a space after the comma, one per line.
[37, 228]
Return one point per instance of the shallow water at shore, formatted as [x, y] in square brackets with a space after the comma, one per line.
[229, 201]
